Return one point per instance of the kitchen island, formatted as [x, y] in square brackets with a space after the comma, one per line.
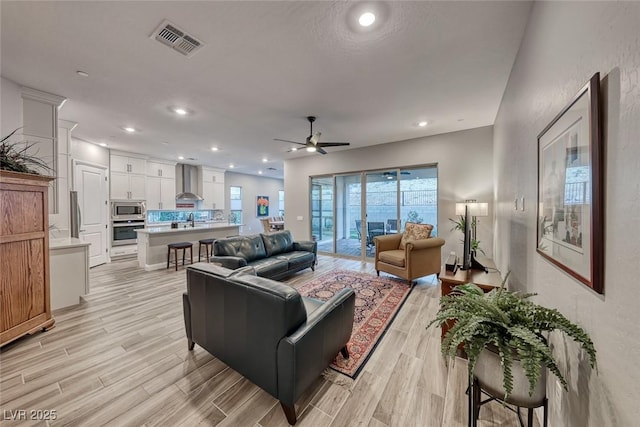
[153, 241]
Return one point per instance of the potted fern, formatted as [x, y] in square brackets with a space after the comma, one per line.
[502, 333]
[15, 157]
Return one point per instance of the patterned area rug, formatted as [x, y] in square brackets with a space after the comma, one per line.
[378, 299]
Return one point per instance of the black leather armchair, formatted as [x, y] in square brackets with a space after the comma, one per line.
[265, 329]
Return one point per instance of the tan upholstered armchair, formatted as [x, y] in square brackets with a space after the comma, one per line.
[418, 258]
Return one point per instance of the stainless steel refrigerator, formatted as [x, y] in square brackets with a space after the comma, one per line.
[74, 214]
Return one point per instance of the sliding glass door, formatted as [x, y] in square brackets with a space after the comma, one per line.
[322, 212]
[349, 210]
[382, 207]
[349, 229]
[419, 197]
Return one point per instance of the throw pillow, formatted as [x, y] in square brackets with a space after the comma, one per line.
[413, 231]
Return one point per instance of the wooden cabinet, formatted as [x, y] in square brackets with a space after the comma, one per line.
[127, 177]
[486, 281]
[211, 187]
[161, 185]
[24, 255]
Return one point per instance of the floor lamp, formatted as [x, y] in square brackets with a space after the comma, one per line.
[475, 209]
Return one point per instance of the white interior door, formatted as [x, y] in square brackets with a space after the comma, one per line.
[90, 183]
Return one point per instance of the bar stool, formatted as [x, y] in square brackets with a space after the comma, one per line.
[176, 247]
[206, 243]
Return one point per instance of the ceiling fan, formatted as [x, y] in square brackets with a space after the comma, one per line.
[312, 143]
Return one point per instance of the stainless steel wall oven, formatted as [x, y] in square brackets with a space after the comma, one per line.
[123, 231]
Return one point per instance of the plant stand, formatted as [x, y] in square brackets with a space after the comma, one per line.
[475, 393]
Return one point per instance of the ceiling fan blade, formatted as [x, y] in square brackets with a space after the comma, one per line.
[286, 140]
[320, 150]
[332, 144]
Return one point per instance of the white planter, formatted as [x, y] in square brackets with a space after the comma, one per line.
[488, 371]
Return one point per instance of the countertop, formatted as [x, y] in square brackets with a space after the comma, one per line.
[66, 242]
[199, 227]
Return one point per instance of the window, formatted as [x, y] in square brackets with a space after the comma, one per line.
[235, 205]
[280, 203]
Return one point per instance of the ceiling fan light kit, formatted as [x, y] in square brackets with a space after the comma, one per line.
[312, 143]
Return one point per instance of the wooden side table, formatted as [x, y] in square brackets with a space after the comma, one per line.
[486, 281]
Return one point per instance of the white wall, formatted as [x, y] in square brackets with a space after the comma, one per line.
[465, 171]
[92, 153]
[564, 45]
[253, 186]
[10, 106]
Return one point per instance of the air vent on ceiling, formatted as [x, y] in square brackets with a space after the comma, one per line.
[272, 169]
[176, 38]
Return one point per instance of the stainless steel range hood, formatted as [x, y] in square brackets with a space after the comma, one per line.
[189, 180]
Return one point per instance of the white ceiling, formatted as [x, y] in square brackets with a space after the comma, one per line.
[264, 67]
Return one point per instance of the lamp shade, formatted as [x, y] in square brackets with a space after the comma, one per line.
[478, 209]
[475, 208]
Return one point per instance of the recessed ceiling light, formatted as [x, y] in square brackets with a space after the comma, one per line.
[422, 124]
[259, 172]
[214, 148]
[265, 160]
[366, 19]
[82, 73]
[102, 144]
[294, 149]
[180, 111]
[231, 166]
[389, 177]
[129, 129]
[180, 157]
[311, 149]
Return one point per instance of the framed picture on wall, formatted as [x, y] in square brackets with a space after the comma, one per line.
[570, 203]
[262, 204]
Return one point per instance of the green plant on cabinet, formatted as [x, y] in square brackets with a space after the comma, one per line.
[15, 157]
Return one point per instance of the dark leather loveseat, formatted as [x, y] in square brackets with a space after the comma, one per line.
[272, 255]
[265, 330]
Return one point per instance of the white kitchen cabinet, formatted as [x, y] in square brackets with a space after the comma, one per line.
[212, 175]
[153, 193]
[213, 195]
[161, 185]
[128, 164]
[161, 193]
[161, 169]
[211, 187]
[69, 271]
[128, 180]
[125, 186]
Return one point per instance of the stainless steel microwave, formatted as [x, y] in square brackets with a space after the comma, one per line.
[128, 210]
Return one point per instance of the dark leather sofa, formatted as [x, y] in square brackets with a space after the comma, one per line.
[265, 329]
[272, 255]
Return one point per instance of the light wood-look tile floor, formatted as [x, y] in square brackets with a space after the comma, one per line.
[121, 359]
